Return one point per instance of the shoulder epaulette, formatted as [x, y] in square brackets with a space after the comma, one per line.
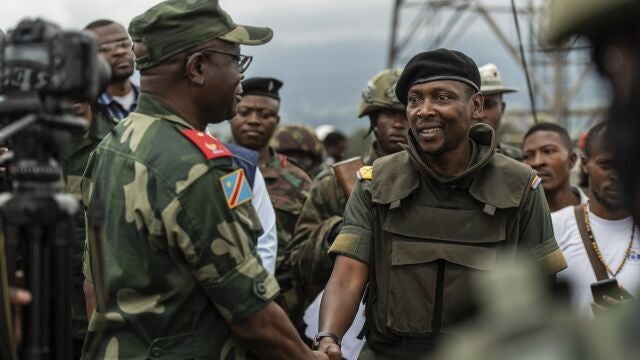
[365, 173]
[211, 147]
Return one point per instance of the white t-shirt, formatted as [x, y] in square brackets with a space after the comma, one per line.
[351, 345]
[127, 100]
[612, 237]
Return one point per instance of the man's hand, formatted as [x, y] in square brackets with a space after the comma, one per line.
[18, 297]
[317, 355]
[611, 303]
[328, 346]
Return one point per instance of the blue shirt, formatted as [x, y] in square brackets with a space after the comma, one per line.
[113, 109]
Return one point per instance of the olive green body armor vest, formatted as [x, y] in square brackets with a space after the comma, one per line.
[432, 237]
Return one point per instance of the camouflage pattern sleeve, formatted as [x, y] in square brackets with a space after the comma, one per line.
[218, 243]
[321, 213]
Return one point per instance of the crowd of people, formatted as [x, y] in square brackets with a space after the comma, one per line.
[273, 245]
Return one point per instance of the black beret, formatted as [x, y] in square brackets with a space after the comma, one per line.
[440, 64]
[268, 87]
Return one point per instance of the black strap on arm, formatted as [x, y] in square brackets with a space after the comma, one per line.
[596, 264]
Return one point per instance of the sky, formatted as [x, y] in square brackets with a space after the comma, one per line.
[323, 50]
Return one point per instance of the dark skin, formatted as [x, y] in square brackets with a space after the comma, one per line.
[440, 114]
[443, 105]
[492, 111]
[186, 83]
[120, 58]
[549, 156]
[606, 200]
[255, 122]
[390, 130]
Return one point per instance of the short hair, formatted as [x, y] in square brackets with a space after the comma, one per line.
[98, 24]
[592, 135]
[334, 138]
[553, 127]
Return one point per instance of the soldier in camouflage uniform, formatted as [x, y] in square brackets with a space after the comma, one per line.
[300, 143]
[74, 160]
[182, 279]
[287, 183]
[494, 105]
[321, 215]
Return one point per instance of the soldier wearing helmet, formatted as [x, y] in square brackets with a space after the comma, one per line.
[321, 217]
[494, 105]
[299, 143]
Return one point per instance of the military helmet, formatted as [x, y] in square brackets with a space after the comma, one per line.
[293, 137]
[588, 17]
[379, 94]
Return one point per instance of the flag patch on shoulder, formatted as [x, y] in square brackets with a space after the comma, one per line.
[536, 181]
[365, 173]
[236, 188]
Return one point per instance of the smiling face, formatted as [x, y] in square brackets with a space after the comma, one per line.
[439, 114]
[255, 121]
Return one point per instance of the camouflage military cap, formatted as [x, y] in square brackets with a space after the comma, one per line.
[297, 138]
[173, 26]
[588, 17]
[379, 94]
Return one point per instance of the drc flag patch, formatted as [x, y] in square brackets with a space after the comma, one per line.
[236, 188]
[536, 181]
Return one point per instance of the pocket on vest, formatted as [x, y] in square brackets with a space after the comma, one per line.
[432, 264]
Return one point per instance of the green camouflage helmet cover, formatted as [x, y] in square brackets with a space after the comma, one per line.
[379, 94]
[173, 26]
[297, 138]
[588, 17]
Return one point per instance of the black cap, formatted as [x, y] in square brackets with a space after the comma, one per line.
[440, 64]
[268, 87]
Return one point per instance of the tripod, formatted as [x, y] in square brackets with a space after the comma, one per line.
[36, 220]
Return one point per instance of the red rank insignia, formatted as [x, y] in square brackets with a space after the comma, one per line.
[211, 147]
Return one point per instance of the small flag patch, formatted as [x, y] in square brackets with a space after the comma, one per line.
[365, 173]
[236, 188]
[536, 181]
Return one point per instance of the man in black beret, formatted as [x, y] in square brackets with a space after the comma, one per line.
[421, 222]
[287, 183]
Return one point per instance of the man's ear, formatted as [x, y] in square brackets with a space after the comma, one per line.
[477, 105]
[573, 157]
[504, 106]
[194, 68]
[278, 119]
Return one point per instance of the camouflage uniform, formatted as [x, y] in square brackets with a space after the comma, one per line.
[299, 139]
[327, 200]
[321, 213]
[180, 258]
[288, 186]
[75, 157]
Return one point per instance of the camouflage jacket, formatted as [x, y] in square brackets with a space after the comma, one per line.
[180, 234]
[321, 213]
[288, 187]
[75, 156]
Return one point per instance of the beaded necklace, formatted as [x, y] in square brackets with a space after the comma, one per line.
[597, 250]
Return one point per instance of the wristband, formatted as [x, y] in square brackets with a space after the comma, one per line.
[324, 334]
